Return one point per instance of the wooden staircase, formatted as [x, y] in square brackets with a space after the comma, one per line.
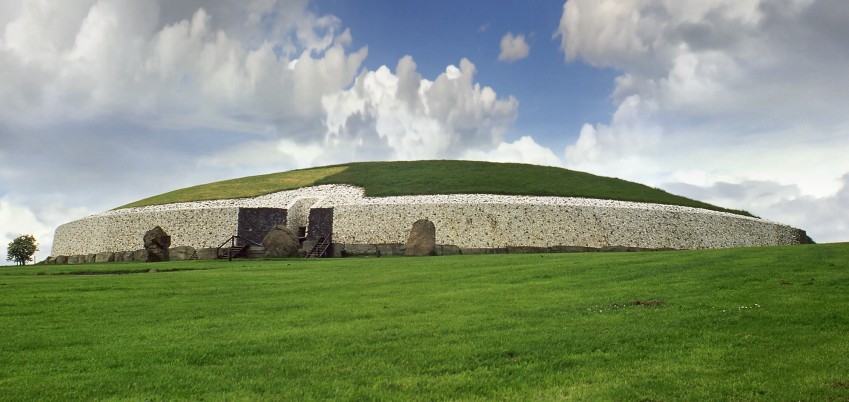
[320, 247]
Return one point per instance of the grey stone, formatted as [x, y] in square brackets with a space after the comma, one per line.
[422, 239]
[140, 255]
[572, 249]
[447, 249]
[257, 252]
[119, 257]
[90, 258]
[157, 242]
[351, 250]
[389, 249]
[210, 253]
[105, 256]
[527, 250]
[60, 259]
[74, 259]
[615, 249]
[281, 242]
[480, 250]
[181, 253]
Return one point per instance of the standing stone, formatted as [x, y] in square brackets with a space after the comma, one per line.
[156, 242]
[422, 239]
[281, 242]
[61, 259]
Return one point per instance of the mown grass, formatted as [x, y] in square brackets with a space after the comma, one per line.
[738, 324]
[381, 179]
[245, 187]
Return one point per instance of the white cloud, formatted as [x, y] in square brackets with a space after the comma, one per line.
[513, 47]
[98, 59]
[403, 116]
[741, 91]
[826, 219]
[523, 150]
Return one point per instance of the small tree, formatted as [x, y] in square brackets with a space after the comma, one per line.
[22, 249]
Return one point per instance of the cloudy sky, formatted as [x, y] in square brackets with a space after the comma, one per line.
[741, 103]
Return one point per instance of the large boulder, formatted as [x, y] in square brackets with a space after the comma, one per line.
[157, 242]
[281, 242]
[422, 239]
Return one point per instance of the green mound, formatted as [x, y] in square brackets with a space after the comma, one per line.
[383, 179]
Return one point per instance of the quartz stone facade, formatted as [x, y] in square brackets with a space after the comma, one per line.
[467, 221]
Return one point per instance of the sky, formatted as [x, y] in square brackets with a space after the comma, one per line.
[740, 103]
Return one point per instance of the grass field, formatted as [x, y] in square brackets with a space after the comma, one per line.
[736, 324]
[381, 179]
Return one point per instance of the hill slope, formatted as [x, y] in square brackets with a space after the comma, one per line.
[383, 179]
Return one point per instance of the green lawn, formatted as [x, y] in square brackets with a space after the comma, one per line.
[737, 324]
[381, 179]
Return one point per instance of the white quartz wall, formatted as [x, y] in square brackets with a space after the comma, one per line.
[466, 221]
[116, 231]
[497, 225]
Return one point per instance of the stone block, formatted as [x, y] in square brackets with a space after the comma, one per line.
[359, 250]
[447, 249]
[209, 253]
[527, 250]
[390, 249]
[140, 255]
[105, 256]
[181, 253]
[572, 249]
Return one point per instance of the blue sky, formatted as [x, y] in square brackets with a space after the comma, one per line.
[740, 103]
[556, 97]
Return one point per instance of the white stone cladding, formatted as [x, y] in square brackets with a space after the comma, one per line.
[499, 225]
[466, 221]
[198, 228]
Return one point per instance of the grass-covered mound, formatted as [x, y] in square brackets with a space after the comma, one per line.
[734, 324]
[381, 179]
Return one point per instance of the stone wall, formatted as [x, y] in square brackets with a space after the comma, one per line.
[466, 221]
[493, 225]
[198, 228]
